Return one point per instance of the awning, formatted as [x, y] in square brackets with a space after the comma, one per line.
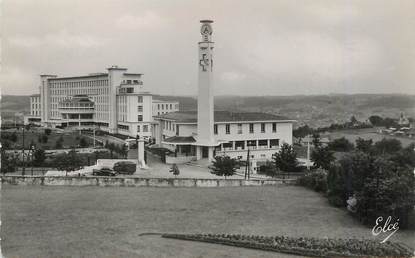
[180, 140]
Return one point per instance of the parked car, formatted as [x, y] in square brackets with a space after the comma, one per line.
[125, 167]
[103, 172]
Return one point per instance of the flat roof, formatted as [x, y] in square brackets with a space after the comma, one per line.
[224, 116]
[79, 77]
[164, 101]
[133, 74]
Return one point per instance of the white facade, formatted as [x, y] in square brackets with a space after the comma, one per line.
[161, 107]
[208, 133]
[121, 103]
[263, 138]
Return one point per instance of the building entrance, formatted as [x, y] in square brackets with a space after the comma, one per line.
[205, 152]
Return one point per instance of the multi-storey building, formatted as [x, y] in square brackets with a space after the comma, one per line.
[162, 107]
[116, 101]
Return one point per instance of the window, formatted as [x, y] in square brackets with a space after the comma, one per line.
[239, 128]
[274, 143]
[145, 128]
[171, 106]
[140, 108]
[251, 128]
[128, 81]
[130, 90]
[228, 128]
[177, 129]
[140, 117]
[140, 99]
[262, 127]
[138, 128]
[215, 129]
[158, 106]
[162, 106]
[274, 127]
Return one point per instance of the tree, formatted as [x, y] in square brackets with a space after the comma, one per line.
[223, 166]
[83, 142]
[44, 138]
[123, 151]
[387, 146]
[316, 140]
[376, 120]
[353, 120]
[70, 161]
[13, 137]
[322, 157]
[286, 159]
[364, 145]
[59, 143]
[341, 144]
[8, 162]
[39, 157]
[48, 131]
[302, 132]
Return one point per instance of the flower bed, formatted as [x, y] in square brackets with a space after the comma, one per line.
[317, 247]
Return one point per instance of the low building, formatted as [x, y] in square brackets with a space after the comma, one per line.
[234, 133]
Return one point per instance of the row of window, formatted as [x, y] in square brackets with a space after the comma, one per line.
[123, 127]
[167, 106]
[132, 82]
[145, 128]
[240, 131]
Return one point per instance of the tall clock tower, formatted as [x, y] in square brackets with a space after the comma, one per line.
[205, 104]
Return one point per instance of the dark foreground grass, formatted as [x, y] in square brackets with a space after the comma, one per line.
[110, 222]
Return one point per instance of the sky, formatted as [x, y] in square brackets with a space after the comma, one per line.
[262, 47]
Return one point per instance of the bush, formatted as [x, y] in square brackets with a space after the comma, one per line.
[316, 180]
[125, 167]
[341, 144]
[223, 166]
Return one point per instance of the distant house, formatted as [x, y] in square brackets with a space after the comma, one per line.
[403, 121]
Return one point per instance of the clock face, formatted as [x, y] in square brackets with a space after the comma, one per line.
[206, 29]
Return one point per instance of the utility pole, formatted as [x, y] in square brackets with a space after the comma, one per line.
[94, 135]
[24, 164]
[308, 152]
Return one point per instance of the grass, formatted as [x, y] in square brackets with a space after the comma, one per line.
[107, 222]
[69, 139]
[369, 133]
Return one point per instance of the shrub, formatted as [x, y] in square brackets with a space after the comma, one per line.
[223, 166]
[341, 144]
[316, 180]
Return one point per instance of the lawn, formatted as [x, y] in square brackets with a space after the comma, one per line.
[32, 136]
[107, 222]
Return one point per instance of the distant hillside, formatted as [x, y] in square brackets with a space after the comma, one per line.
[13, 107]
[318, 110]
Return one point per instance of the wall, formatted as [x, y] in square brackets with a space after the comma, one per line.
[136, 182]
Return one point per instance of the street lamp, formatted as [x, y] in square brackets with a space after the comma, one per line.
[24, 164]
[1, 152]
[32, 149]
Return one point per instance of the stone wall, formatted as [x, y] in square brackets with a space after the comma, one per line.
[137, 182]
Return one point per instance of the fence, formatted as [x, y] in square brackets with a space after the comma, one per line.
[137, 182]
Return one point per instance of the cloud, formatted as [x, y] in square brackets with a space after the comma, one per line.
[148, 19]
[63, 39]
[232, 77]
[304, 54]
